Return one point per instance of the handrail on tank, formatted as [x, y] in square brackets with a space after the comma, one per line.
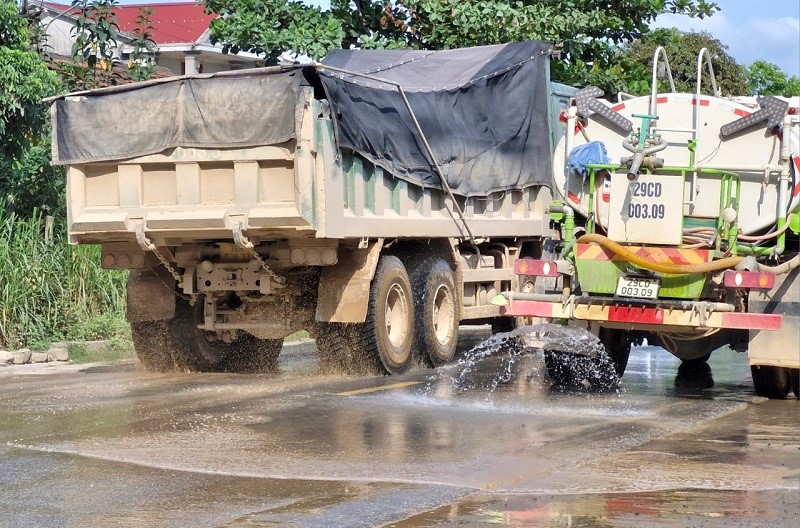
[696, 111]
[714, 88]
[654, 83]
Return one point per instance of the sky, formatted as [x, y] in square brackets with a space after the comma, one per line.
[752, 29]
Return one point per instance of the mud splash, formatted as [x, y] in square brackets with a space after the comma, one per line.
[574, 359]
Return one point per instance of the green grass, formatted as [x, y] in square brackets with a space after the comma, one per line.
[51, 291]
[297, 336]
[79, 354]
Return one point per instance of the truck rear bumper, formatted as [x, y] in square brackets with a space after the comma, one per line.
[643, 316]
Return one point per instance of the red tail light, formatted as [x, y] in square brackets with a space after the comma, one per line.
[537, 268]
[754, 280]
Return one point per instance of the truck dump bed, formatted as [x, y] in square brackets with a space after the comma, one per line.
[277, 152]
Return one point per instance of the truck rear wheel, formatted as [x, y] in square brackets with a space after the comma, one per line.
[618, 348]
[389, 328]
[382, 343]
[595, 374]
[436, 326]
[794, 374]
[342, 349]
[201, 351]
[151, 342]
[771, 382]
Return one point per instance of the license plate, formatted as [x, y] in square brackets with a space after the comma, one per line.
[638, 287]
[234, 253]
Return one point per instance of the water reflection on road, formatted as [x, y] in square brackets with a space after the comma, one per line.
[675, 447]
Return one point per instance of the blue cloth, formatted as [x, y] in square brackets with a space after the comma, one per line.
[582, 155]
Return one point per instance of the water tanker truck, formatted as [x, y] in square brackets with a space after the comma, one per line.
[675, 222]
[376, 199]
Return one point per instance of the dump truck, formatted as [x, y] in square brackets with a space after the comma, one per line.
[675, 222]
[376, 199]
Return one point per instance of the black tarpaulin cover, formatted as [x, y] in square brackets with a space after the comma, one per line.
[483, 111]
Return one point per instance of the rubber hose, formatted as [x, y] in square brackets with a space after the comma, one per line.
[780, 269]
[661, 267]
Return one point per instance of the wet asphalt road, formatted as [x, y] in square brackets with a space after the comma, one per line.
[111, 445]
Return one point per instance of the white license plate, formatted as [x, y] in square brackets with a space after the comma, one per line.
[638, 287]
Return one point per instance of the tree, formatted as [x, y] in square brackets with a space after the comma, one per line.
[592, 31]
[682, 52]
[25, 79]
[95, 62]
[764, 78]
[270, 27]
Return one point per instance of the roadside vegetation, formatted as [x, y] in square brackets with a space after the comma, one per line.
[51, 291]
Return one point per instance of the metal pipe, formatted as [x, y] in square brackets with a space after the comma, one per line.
[696, 113]
[740, 168]
[654, 83]
[422, 136]
[784, 181]
[569, 142]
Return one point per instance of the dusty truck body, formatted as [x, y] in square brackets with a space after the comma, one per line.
[376, 200]
[677, 222]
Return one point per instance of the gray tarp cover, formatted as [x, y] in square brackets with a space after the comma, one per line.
[483, 110]
[258, 107]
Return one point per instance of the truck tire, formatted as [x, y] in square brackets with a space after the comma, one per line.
[618, 347]
[382, 344]
[794, 374]
[389, 327]
[771, 382]
[501, 325]
[151, 342]
[253, 355]
[595, 374]
[198, 351]
[435, 303]
[342, 349]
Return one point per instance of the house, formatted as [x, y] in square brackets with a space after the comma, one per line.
[180, 31]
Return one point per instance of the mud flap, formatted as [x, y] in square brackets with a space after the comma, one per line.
[344, 288]
[777, 348]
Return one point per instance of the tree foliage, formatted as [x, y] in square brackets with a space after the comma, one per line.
[24, 81]
[28, 74]
[592, 31]
[682, 52]
[95, 51]
[270, 27]
[764, 78]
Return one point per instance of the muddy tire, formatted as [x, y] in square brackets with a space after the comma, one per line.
[342, 349]
[696, 362]
[771, 382]
[383, 343]
[389, 327]
[195, 350]
[618, 347]
[502, 325]
[436, 306]
[254, 355]
[572, 371]
[794, 375]
[152, 344]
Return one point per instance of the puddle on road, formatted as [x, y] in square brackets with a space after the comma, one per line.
[698, 508]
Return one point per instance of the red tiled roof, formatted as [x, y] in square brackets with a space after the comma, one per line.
[173, 23]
